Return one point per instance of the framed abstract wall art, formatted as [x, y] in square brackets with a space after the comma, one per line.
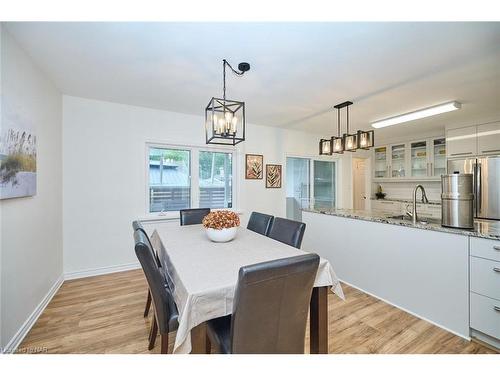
[254, 166]
[273, 176]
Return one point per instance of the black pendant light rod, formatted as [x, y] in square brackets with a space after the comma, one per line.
[338, 122]
[243, 67]
[347, 119]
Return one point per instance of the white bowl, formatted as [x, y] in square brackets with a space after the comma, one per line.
[221, 235]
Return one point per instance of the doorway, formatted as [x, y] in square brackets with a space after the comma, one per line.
[359, 194]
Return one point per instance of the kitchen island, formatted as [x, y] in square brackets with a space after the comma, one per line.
[421, 268]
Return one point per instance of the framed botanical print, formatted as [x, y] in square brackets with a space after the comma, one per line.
[254, 166]
[273, 176]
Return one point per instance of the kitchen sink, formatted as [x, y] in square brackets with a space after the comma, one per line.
[421, 220]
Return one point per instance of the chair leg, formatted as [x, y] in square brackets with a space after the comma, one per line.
[164, 343]
[153, 333]
[148, 304]
[208, 345]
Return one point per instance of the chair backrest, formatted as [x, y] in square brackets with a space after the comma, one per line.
[260, 223]
[287, 231]
[156, 279]
[138, 227]
[271, 304]
[193, 215]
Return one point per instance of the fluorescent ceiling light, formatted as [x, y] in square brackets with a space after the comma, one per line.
[421, 113]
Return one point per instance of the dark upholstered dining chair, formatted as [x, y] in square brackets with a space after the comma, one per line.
[138, 226]
[270, 308]
[193, 215]
[260, 223]
[287, 231]
[165, 317]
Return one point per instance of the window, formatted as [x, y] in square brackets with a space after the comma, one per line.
[169, 179]
[215, 179]
[172, 186]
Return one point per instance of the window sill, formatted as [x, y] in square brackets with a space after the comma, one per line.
[174, 215]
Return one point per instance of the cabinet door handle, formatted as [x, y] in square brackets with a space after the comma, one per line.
[498, 150]
[461, 153]
[496, 308]
[496, 269]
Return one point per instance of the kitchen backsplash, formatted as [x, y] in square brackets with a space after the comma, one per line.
[404, 190]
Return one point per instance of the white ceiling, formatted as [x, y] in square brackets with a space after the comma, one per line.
[298, 70]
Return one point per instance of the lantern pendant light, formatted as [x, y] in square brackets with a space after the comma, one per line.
[366, 140]
[224, 118]
[350, 140]
[338, 141]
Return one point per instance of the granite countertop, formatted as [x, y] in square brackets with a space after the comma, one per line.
[436, 203]
[482, 228]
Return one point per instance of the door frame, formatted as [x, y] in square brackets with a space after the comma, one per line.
[368, 180]
[311, 159]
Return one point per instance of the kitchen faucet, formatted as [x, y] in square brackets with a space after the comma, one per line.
[413, 214]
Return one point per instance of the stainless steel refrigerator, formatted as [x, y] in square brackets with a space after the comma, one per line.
[486, 172]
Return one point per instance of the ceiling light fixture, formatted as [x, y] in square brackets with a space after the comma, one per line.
[346, 142]
[421, 113]
[224, 118]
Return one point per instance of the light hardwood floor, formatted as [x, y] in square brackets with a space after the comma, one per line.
[103, 314]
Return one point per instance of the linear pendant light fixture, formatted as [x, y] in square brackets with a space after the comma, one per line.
[224, 118]
[346, 142]
[415, 115]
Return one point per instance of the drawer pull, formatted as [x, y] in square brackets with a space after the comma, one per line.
[497, 248]
[496, 269]
[496, 308]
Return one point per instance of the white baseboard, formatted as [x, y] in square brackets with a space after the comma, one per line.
[101, 271]
[468, 338]
[28, 324]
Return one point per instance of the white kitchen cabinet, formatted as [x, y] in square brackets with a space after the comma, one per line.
[485, 277]
[437, 157]
[485, 289]
[485, 315]
[488, 139]
[461, 142]
[414, 160]
[380, 162]
[484, 248]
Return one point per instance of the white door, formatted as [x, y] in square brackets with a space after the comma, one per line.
[359, 182]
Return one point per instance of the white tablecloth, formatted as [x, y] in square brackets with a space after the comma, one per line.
[203, 274]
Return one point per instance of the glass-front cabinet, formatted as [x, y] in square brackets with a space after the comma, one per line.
[438, 163]
[398, 160]
[381, 166]
[419, 159]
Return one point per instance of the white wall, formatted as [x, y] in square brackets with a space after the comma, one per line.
[104, 179]
[31, 227]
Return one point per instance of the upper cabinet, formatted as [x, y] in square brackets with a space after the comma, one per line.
[461, 142]
[398, 160]
[381, 162]
[438, 157]
[474, 140]
[420, 159]
[488, 139]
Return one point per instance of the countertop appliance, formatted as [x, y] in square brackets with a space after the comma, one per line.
[457, 201]
[486, 183]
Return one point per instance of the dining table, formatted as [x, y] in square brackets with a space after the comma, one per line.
[203, 276]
